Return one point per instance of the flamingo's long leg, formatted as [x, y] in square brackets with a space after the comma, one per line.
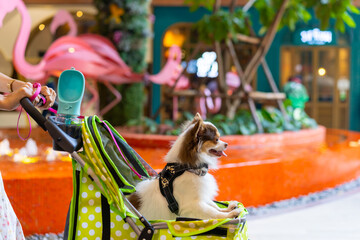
[95, 97]
[175, 107]
[113, 103]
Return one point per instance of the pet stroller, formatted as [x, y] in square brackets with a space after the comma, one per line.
[105, 169]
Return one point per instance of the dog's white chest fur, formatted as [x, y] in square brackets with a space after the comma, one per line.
[189, 190]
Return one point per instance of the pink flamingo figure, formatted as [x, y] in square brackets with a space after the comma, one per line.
[29, 71]
[171, 70]
[93, 55]
[62, 17]
[168, 75]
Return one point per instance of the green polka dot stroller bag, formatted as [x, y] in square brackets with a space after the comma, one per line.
[107, 169]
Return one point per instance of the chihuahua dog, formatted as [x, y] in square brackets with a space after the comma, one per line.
[184, 187]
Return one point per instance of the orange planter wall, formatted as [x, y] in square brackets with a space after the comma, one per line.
[39, 192]
[264, 168]
[259, 169]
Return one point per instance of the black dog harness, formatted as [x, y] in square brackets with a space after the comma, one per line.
[168, 175]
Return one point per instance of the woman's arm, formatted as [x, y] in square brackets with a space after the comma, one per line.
[17, 90]
[12, 100]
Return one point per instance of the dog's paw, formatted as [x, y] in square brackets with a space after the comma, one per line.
[232, 205]
[235, 213]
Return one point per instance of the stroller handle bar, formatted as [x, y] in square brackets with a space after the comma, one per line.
[63, 140]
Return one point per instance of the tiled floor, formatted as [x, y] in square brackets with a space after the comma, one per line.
[336, 219]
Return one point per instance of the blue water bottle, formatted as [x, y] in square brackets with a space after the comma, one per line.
[70, 91]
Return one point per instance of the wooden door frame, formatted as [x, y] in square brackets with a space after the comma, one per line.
[314, 104]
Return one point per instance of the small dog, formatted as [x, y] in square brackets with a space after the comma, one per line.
[198, 147]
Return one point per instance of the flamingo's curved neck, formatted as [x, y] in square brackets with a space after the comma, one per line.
[29, 71]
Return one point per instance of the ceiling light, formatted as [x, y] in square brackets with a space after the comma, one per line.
[79, 14]
[322, 71]
[41, 26]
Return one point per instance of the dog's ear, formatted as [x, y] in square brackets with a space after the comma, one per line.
[197, 118]
[188, 123]
[191, 141]
[198, 121]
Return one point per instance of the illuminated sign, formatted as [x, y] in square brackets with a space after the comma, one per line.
[315, 37]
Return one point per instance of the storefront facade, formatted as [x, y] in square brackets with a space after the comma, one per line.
[327, 62]
[321, 60]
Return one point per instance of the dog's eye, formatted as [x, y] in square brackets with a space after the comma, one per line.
[217, 140]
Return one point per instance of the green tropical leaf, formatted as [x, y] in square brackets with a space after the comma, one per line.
[348, 20]
[262, 30]
[339, 24]
[169, 122]
[133, 122]
[353, 9]
[218, 118]
[244, 130]
[305, 15]
[226, 129]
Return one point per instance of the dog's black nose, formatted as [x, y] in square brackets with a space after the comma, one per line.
[226, 145]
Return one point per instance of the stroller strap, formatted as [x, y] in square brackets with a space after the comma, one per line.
[167, 176]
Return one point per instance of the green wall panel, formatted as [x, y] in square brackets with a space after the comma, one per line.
[355, 77]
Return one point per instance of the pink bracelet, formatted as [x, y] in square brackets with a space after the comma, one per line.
[37, 91]
[32, 98]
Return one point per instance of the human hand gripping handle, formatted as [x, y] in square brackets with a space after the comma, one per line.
[28, 104]
[46, 98]
[43, 101]
[18, 89]
[66, 142]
